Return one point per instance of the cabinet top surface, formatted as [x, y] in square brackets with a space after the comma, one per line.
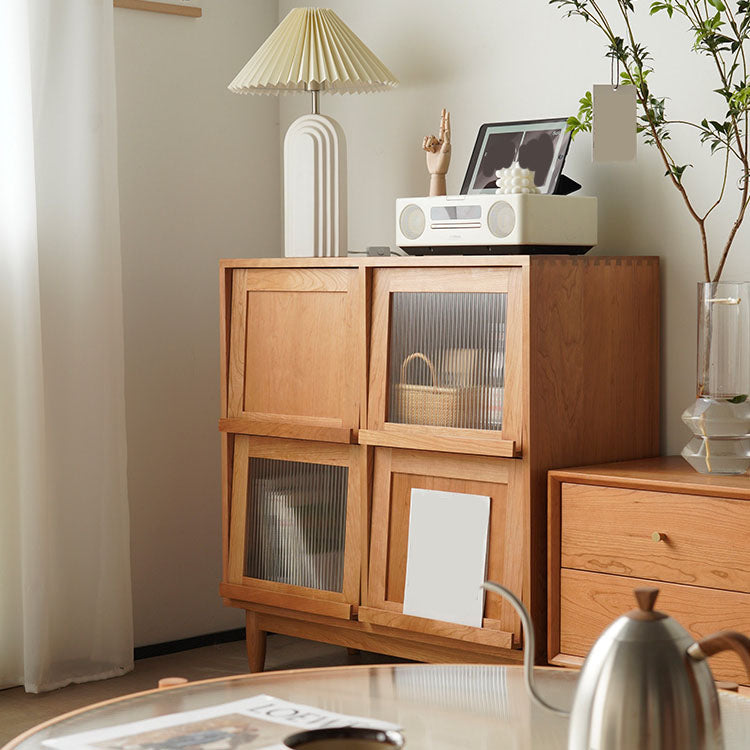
[664, 473]
[519, 261]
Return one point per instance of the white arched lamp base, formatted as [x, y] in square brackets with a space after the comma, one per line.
[314, 188]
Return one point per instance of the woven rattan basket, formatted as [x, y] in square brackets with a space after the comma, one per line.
[441, 406]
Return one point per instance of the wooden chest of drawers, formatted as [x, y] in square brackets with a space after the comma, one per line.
[655, 522]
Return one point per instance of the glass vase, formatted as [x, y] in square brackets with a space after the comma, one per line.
[720, 416]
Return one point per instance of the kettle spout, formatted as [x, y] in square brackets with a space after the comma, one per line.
[528, 637]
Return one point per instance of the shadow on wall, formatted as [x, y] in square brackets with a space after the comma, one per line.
[640, 213]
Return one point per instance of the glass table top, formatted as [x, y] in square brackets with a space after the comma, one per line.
[440, 707]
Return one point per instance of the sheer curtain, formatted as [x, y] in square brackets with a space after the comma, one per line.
[65, 601]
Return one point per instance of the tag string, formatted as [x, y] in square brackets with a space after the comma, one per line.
[614, 72]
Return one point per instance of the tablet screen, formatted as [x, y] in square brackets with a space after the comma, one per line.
[540, 146]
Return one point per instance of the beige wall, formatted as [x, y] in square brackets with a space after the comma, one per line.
[496, 60]
[199, 181]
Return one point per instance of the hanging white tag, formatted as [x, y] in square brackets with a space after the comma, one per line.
[614, 123]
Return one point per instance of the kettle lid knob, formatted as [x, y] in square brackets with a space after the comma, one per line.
[646, 598]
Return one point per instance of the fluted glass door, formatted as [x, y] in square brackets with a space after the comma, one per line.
[447, 357]
[296, 523]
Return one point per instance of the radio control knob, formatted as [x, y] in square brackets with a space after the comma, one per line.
[412, 221]
[501, 219]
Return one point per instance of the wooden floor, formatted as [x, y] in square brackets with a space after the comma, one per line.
[20, 710]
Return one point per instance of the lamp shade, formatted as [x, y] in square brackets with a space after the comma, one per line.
[312, 48]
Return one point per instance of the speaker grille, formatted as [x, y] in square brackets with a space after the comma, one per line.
[412, 221]
[501, 219]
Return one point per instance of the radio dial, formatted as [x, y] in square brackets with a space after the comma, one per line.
[412, 221]
[501, 219]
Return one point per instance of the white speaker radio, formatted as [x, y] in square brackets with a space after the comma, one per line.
[503, 224]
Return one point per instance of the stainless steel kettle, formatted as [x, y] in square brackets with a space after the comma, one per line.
[645, 684]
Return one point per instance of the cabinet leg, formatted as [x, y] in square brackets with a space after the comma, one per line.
[255, 640]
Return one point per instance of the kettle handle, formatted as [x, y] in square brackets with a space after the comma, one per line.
[528, 637]
[724, 640]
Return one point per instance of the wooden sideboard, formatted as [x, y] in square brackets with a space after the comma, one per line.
[346, 383]
[655, 522]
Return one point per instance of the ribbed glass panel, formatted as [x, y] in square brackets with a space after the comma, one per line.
[296, 523]
[447, 358]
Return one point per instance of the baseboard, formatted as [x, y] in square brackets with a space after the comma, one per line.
[185, 644]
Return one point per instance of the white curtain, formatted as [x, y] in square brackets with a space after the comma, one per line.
[65, 600]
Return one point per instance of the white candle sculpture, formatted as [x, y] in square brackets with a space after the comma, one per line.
[515, 179]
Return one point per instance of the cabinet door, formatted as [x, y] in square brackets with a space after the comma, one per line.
[295, 534]
[396, 473]
[296, 353]
[446, 360]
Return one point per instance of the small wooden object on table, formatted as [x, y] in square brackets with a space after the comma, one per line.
[658, 522]
[439, 154]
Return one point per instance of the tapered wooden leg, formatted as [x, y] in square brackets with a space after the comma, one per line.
[255, 640]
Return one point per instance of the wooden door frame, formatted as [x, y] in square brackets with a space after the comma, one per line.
[239, 586]
[506, 442]
[503, 631]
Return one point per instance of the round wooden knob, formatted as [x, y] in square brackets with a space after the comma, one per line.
[659, 536]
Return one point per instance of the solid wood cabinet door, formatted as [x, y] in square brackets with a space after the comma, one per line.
[396, 473]
[296, 353]
[446, 360]
[295, 528]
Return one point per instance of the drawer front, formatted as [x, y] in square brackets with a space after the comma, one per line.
[589, 602]
[703, 540]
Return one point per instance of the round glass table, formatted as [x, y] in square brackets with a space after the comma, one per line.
[438, 707]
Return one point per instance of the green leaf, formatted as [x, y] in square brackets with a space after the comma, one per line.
[658, 7]
[582, 123]
[717, 4]
[738, 399]
[677, 171]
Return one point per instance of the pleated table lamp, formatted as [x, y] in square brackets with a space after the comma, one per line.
[313, 50]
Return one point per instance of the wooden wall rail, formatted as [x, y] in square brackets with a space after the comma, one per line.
[154, 7]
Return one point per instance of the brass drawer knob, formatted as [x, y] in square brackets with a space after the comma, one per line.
[658, 536]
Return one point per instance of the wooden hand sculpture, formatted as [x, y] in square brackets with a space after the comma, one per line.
[439, 154]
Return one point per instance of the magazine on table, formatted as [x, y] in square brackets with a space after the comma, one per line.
[247, 723]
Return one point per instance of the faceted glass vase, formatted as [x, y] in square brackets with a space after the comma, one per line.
[720, 417]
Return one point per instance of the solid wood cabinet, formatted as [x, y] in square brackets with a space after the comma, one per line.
[469, 374]
[656, 522]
